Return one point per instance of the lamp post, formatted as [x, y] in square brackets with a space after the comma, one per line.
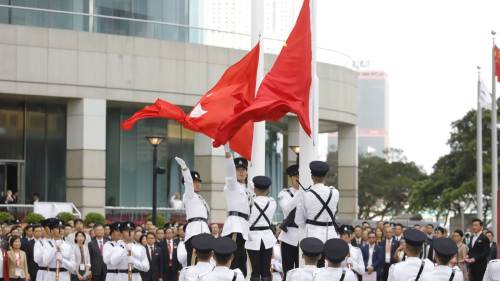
[296, 150]
[155, 142]
[462, 211]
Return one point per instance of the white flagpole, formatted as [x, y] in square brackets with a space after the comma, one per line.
[479, 149]
[309, 146]
[257, 166]
[494, 145]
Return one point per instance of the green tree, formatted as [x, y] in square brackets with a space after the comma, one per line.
[454, 176]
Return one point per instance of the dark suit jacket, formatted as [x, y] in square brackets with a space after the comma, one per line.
[355, 243]
[97, 265]
[394, 247]
[480, 252]
[176, 266]
[376, 261]
[493, 251]
[32, 265]
[156, 263]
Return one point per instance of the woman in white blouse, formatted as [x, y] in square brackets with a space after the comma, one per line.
[82, 259]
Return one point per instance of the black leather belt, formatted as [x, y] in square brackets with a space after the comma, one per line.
[320, 223]
[197, 219]
[42, 268]
[259, 228]
[116, 271]
[54, 269]
[238, 214]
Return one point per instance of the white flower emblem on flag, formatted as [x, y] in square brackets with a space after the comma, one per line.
[197, 111]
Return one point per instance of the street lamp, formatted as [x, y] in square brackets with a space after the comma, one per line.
[296, 150]
[462, 211]
[155, 142]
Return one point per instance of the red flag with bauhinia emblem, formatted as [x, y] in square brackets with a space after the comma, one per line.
[285, 88]
[496, 57]
[233, 93]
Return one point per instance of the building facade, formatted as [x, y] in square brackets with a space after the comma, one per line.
[73, 70]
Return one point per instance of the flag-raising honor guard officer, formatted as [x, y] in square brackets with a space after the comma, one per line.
[312, 248]
[335, 251]
[445, 250]
[202, 244]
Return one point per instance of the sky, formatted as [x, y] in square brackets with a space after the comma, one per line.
[429, 49]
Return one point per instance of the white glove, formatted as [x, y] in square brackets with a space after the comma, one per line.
[58, 256]
[130, 259]
[181, 163]
[128, 247]
[226, 148]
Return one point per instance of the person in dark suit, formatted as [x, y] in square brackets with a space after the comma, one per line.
[439, 232]
[479, 251]
[357, 240]
[371, 255]
[155, 256]
[96, 246]
[32, 265]
[493, 246]
[171, 265]
[388, 248]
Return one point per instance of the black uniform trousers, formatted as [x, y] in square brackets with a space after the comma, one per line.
[261, 262]
[240, 256]
[189, 250]
[289, 257]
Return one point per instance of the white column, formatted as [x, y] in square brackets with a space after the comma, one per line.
[308, 145]
[257, 166]
[348, 172]
[86, 154]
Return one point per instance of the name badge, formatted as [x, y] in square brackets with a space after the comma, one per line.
[82, 267]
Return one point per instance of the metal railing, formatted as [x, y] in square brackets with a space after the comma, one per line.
[91, 22]
[19, 211]
[120, 213]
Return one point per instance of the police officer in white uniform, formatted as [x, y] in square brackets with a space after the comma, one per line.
[202, 243]
[492, 272]
[130, 253]
[318, 205]
[111, 253]
[290, 234]
[39, 250]
[445, 250]
[224, 249]
[355, 259]
[261, 238]
[335, 251]
[58, 255]
[413, 267]
[312, 248]
[197, 209]
[238, 200]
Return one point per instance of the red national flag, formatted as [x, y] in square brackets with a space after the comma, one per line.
[233, 92]
[285, 88]
[496, 57]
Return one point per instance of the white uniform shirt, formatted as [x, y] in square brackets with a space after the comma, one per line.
[175, 203]
[287, 204]
[276, 265]
[222, 273]
[38, 250]
[67, 262]
[355, 259]
[196, 207]
[192, 273]
[334, 274]
[310, 206]
[182, 254]
[492, 272]
[256, 236]
[407, 270]
[305, 273]
[237, 199]
[443, 273]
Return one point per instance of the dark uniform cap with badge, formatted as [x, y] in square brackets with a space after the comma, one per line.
[311, 247]
[56, 223]
[319, 168]
[224, 246]
[241, 162]
[115, 226]
[444, 247]
[203, 242]
[336, 250]
[127, 225]
[414, 237]
[293, 170]
[346, 229]
[195, 176]
[262, 182]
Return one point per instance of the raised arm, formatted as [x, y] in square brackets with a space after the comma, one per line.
[232, 182]
[188, 180]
